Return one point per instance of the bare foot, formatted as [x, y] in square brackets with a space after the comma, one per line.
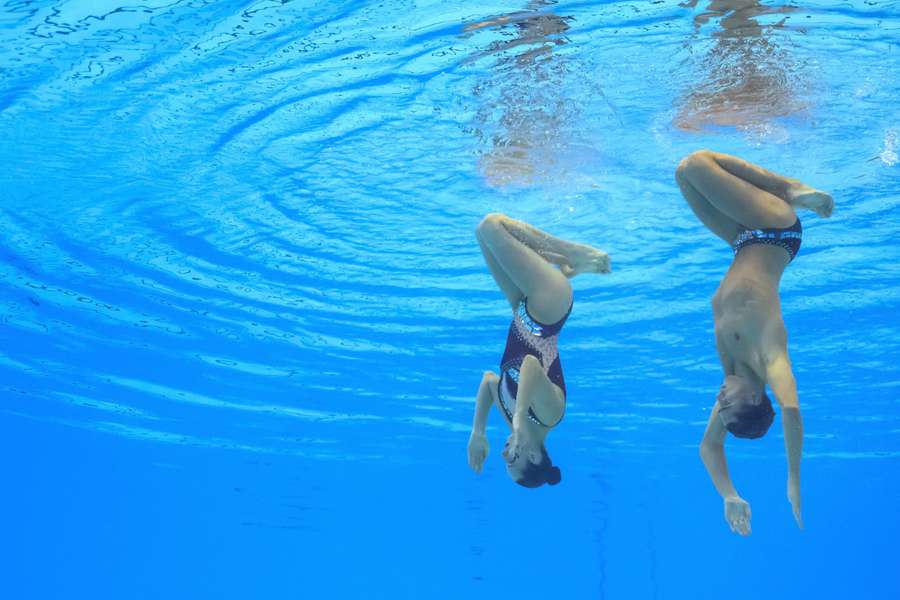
[587, 259]
[802, 196]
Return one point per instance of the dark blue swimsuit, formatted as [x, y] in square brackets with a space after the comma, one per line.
[527, 336]
[788, 238]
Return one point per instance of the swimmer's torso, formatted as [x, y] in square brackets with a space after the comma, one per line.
[747, 310]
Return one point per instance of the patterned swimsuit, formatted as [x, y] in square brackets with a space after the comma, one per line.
[527, 336]
[788, 238]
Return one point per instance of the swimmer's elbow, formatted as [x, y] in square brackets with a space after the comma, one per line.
[709, 448]
[790, 404]
[786, 396]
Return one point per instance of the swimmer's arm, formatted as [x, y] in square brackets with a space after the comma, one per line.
[712, 452]
[537, 392]
[525, 396]
[780, 378]
[483, 402]
[478, 446]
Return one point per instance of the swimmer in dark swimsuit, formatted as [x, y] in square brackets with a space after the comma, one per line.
[529, 392]
[752, 209]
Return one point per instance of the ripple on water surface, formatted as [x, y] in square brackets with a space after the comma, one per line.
[225, 221]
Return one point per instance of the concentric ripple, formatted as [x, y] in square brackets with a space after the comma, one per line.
[249, 225]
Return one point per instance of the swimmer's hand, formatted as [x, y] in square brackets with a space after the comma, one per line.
[478, 450]
[737, 513]
[793, 494]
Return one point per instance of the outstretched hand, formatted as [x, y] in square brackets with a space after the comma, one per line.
[737, 513]
[478, 451]
[794, 498]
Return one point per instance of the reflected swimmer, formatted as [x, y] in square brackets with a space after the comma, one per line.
[748, 78]
[524, 119]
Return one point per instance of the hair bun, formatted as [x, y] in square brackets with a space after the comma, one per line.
[555, 476]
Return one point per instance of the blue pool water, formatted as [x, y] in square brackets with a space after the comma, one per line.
[244, 315]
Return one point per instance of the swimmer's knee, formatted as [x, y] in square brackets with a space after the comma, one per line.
[681, 170]
[693, 162]
[491, 221]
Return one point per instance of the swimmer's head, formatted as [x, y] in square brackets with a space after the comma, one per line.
[528, 464]
[744, 408]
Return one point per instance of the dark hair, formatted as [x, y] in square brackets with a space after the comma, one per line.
[536, 475]
[749, 417]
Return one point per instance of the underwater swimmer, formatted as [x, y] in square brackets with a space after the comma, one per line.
[530, 391]
[752, 209]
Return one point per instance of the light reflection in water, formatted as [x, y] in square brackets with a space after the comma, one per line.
[747, 78]
[524, 112]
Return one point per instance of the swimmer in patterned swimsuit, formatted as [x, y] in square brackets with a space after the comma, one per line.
[752, 209]
[529, 392]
